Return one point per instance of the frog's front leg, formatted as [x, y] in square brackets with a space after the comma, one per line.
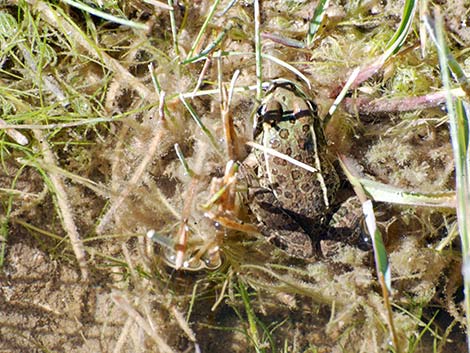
[278, 225]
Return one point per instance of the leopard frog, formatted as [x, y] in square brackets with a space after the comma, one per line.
[290, 202]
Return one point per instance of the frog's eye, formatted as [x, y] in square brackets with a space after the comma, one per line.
[272, 112]
[303, 108]
[300, 108]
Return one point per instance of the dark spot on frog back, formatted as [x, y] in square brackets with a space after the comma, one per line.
[275, 143]
[279, 162]
[288, 195]
[309, 160]
[295, 174]
[281, 179]
[284, 134]
[306, 187]
[305, 144]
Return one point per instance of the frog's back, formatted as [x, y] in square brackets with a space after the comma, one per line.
[296, 131]
[298, 190]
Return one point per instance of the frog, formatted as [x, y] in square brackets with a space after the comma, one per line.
[293, 206]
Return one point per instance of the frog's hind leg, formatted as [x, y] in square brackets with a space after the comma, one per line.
[276, 224]
[294, 242]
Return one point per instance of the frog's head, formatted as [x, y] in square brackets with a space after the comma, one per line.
[284, 101]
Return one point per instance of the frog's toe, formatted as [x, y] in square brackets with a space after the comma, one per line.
[296, 244]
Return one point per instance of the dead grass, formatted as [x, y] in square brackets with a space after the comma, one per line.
[91, 114]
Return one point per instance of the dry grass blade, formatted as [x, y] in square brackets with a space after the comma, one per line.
[154, 144]
[124, 304]
[159, 4]
[100, 114]
[57, 18]
[14, 134]
[380, 254]
[364, 105]
[275, 153]
[64, 206]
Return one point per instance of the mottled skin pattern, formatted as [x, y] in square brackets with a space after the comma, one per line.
[345, 227]
[290, 202]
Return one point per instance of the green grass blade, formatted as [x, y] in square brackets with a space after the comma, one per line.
[209, 17]
[106, 16]
[211, 47]
[391, 194]
[453, 65]
[316, 21]
[380, 254]
[252, 328]
[201, 125]
[458, 123]
[183, 161]
[174, 33]
[400, 35]
[258, 54]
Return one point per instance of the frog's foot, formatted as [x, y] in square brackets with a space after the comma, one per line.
[293, 241]
[346, 228]
[279, 226]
